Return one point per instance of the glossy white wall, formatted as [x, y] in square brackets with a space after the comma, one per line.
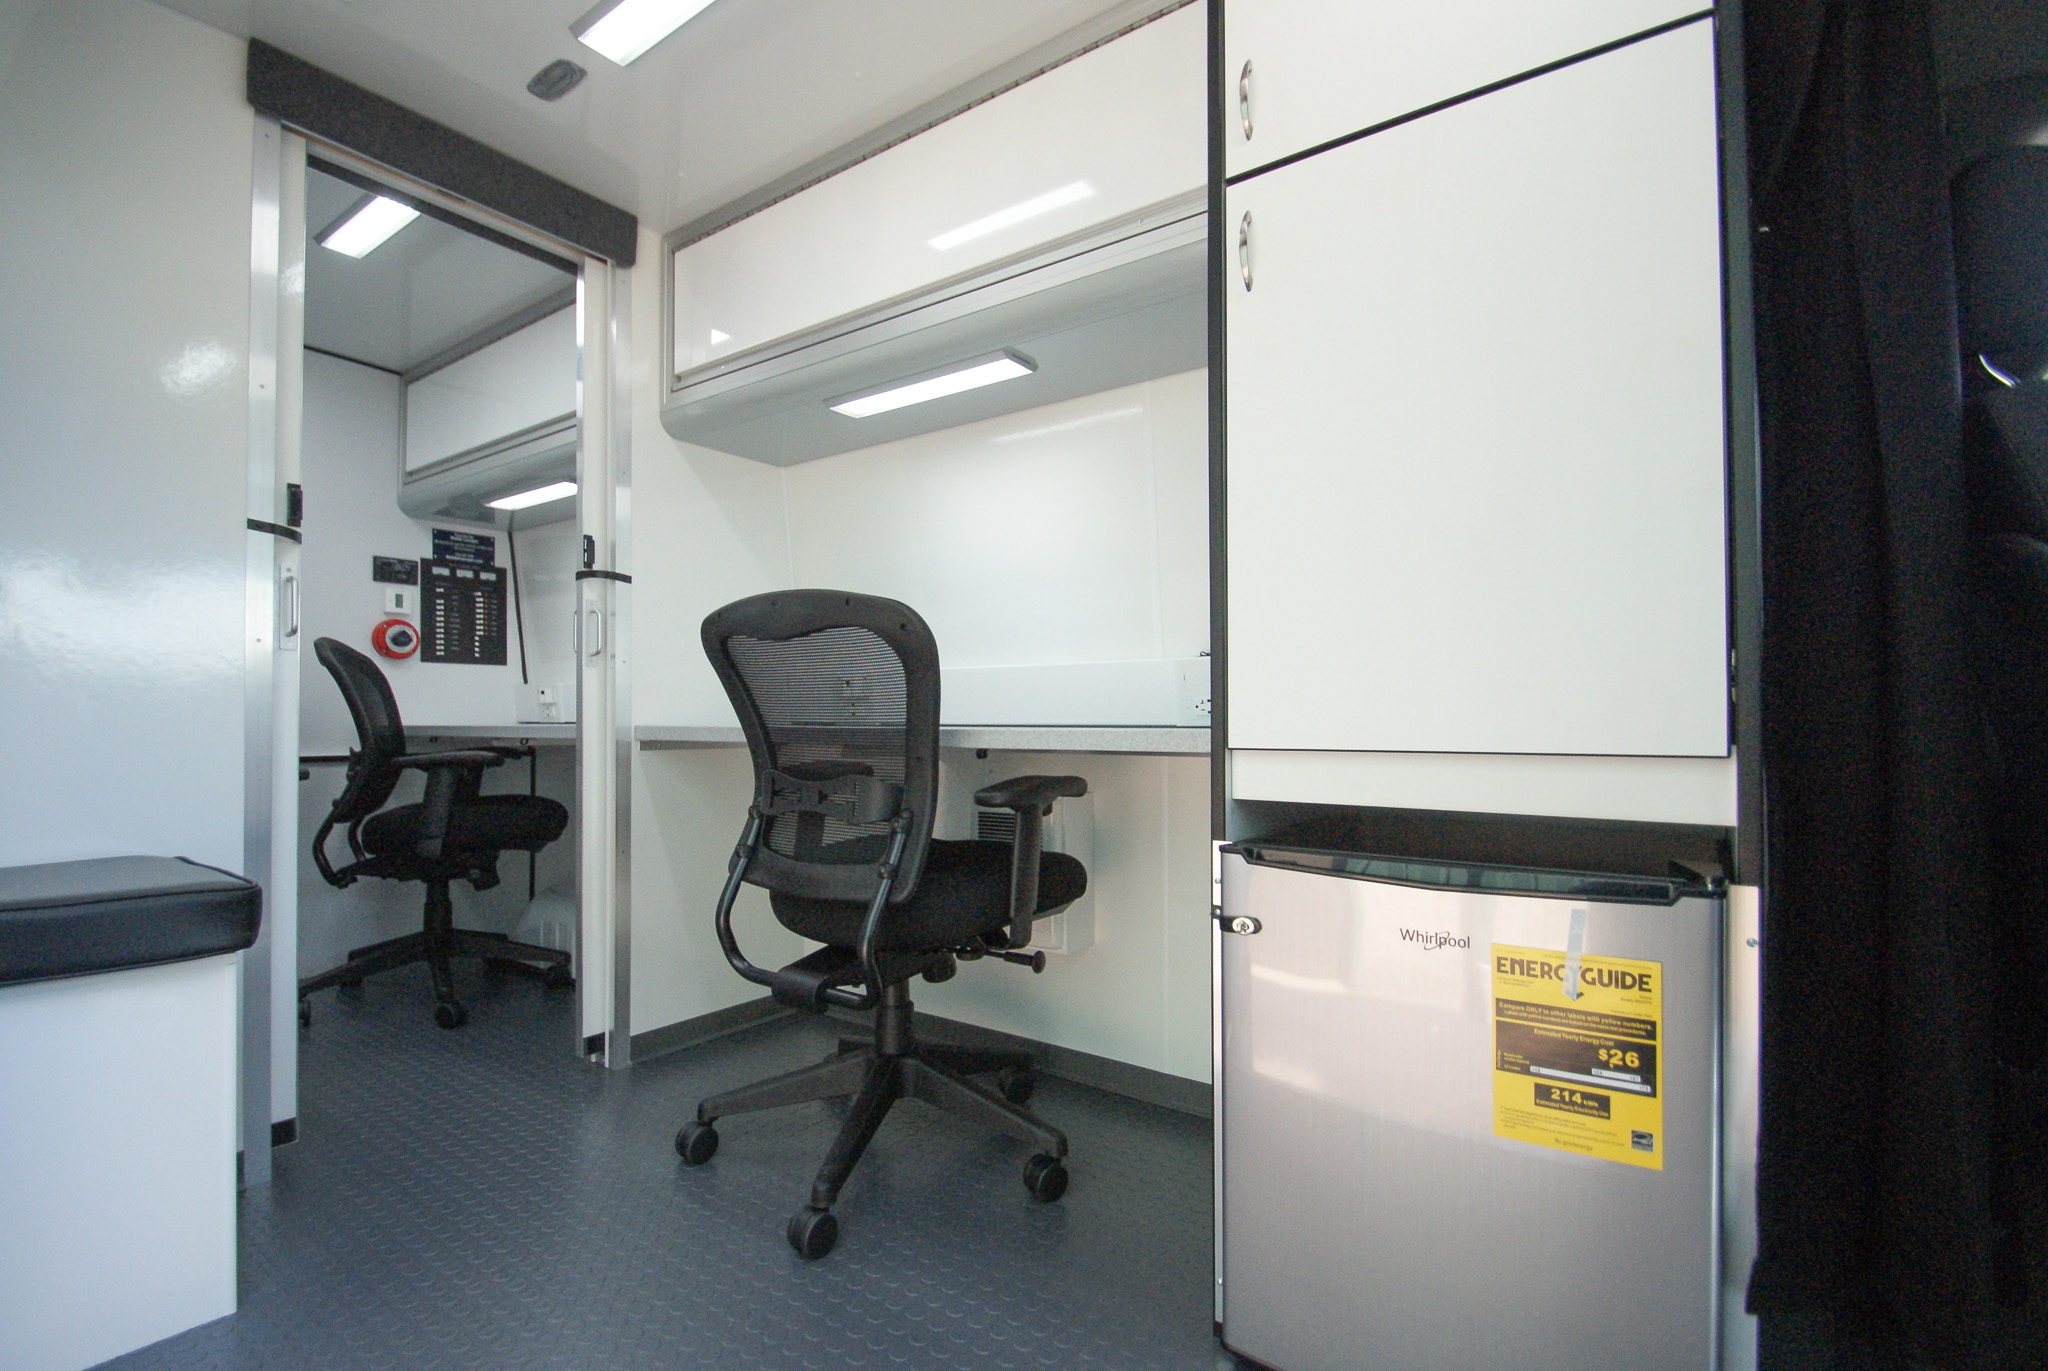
[1073, 533]
[125, 150]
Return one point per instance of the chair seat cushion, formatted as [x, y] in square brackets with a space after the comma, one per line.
[489, 823]
[963, 893]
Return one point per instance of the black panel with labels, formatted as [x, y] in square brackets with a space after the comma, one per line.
[471, 549]
[398, 571]
[462, 619]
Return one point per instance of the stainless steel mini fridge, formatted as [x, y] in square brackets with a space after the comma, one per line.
[1467, 1116]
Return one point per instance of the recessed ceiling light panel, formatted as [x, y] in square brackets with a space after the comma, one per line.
[368, 226]
[623, 29]
[968, 375]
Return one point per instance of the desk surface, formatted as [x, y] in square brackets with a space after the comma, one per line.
[1155, 742]
[504, 733]
[1187, 742]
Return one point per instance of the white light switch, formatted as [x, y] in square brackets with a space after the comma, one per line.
[399, 600]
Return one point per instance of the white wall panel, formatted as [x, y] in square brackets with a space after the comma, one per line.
[125, 153]
[1475, 425]
[866, 235]
[1058, 535]
[523, 379]
[117, 1161]
[1322, 70]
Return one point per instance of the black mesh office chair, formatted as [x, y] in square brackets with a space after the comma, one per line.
[838, 696]
[454, 834]
[2001, 238]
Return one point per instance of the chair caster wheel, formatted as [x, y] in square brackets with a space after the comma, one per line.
[1017, 1083]
[449, 1014]
[812, 1232]
[305, 1014]
[697, 1143]
[558, 978]
[1045, 1177]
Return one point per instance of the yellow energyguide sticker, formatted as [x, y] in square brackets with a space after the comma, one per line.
[1579, 1072]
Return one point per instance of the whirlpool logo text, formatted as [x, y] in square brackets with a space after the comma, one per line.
[1432, 941]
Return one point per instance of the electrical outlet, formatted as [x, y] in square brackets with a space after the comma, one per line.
[545, 704]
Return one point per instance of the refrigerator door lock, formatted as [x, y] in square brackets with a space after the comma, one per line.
[1242, 923]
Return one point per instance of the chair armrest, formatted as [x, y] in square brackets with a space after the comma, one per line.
[1030, 798]
[1030, 792]
[448, 773]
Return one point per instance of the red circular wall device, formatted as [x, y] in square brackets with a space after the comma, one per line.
[395, 638]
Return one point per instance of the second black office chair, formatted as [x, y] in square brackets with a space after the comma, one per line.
[838, 695]
[453, 834]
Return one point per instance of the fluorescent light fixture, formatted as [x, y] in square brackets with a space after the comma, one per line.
[968, 375]
[539, 495]
[365, 228]
[1066, 195]
[623, 29]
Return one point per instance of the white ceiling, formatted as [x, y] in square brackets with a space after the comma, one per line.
[429, 287]
[746, 91]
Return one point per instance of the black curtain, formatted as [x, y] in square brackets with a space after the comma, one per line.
[1876, 1226]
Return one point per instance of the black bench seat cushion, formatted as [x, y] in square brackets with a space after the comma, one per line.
[110, 913]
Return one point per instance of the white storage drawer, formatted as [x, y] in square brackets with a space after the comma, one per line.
[1476, 426]
[521, 381]
[1104, 136]
[1321, 70]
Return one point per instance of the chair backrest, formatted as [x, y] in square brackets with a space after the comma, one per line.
[1999, 210]
[840, 690]
[2000, 217]
[372, 776]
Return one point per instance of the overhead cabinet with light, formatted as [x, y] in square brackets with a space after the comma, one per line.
[1042, 244]
[496, 423]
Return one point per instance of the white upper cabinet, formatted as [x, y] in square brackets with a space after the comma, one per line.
[1475, 426]
[1113, 132]
[1298, 73]
[520, 382]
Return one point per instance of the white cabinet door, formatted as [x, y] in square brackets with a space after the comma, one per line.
[1475, 426]
[1113, 132]
[522, 381]
[1320, 69]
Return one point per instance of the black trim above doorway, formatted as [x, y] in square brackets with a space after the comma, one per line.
[316, 102]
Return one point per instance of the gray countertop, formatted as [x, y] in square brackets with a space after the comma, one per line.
[1160, 741]
[521, 733]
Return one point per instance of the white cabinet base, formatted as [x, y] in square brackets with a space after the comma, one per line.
[117, 1161]
[1663, 790]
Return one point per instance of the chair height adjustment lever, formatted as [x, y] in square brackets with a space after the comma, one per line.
[1034, 960]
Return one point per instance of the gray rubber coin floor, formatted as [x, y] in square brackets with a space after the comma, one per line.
[481, 1198]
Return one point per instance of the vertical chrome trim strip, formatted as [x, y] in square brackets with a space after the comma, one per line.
[281, 905]
[597, 655]
[619, 1040]
[259, 640]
